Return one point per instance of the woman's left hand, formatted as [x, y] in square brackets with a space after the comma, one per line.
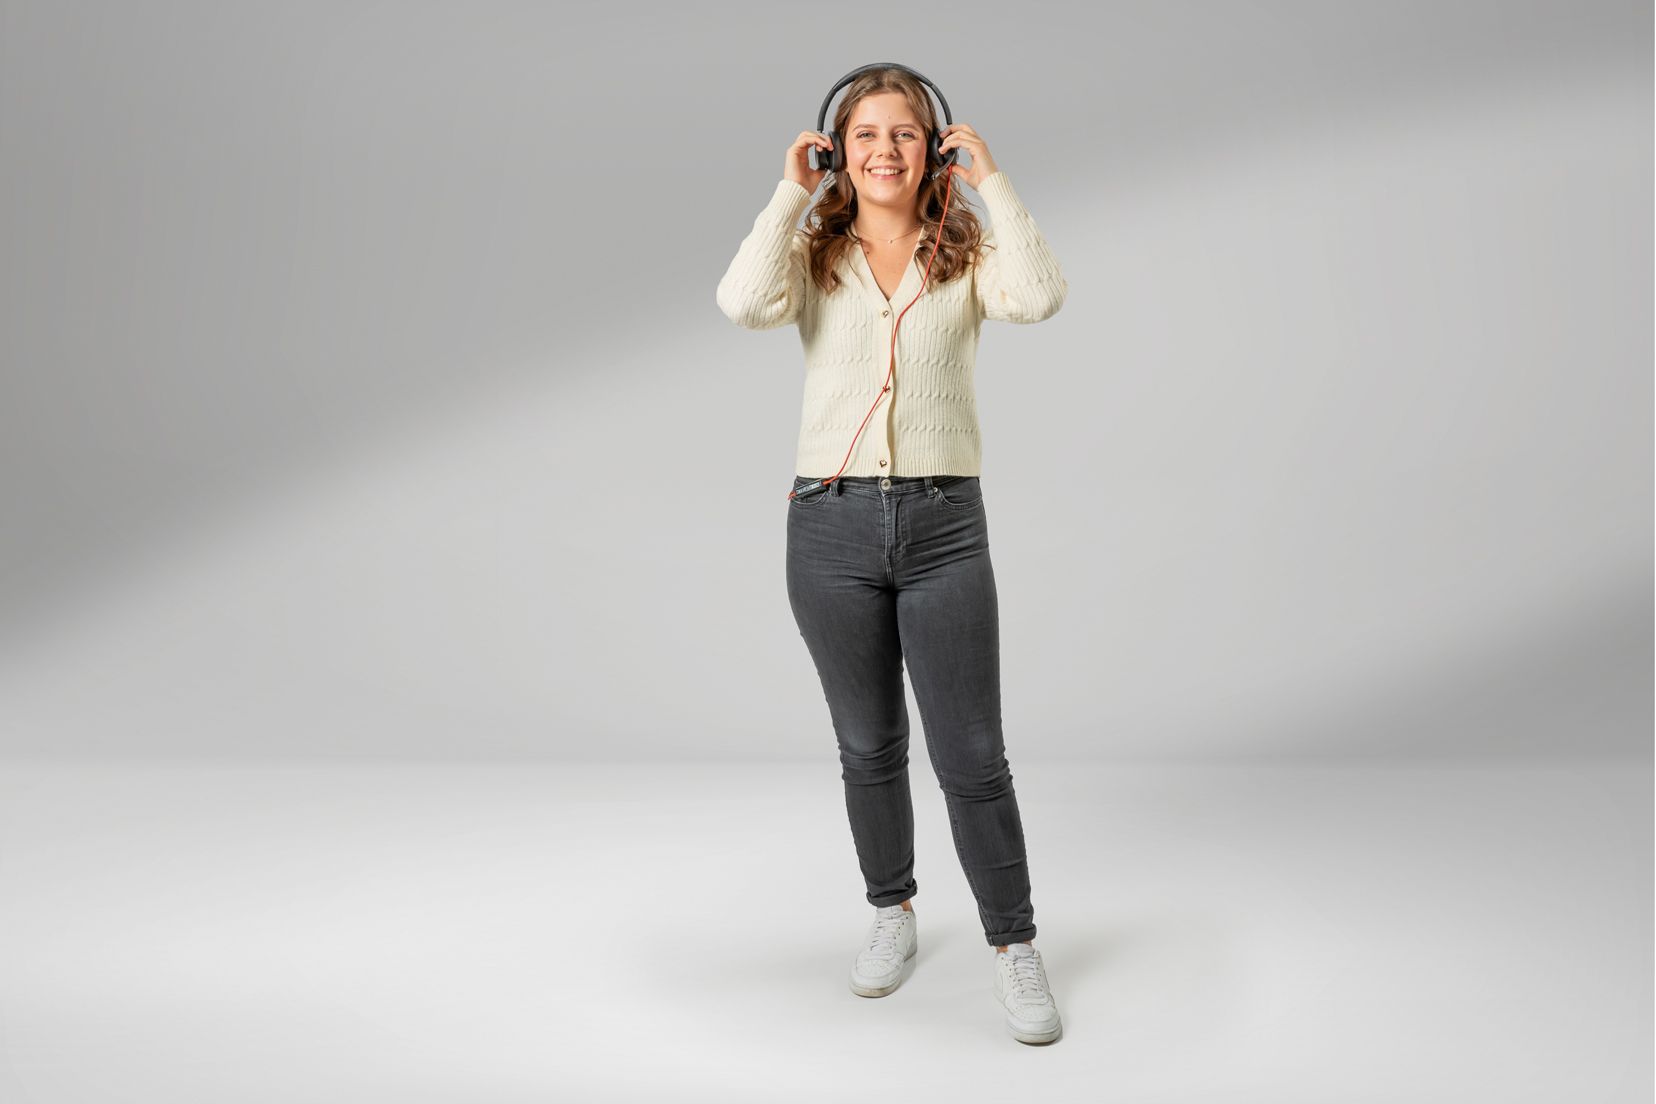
[962, 136]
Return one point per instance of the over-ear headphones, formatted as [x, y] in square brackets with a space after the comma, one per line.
[834, 159]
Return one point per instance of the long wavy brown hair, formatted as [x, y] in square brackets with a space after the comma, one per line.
[828, 226]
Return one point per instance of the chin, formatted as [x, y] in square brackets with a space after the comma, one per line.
[910, 185]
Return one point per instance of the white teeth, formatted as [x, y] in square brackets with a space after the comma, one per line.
[885, 172]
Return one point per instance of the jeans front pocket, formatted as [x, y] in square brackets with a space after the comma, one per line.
[961, 493]
[806, 502]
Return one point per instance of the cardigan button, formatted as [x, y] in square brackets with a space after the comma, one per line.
[884, 313]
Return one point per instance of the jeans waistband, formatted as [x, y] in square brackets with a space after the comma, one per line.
[885, 484]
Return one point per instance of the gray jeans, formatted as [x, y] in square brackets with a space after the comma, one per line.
[887, 573]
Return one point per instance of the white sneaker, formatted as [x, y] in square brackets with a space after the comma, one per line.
[891, 942]
[1021, 986]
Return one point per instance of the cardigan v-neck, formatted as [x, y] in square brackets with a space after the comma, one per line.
[927, 423]
[873, 284]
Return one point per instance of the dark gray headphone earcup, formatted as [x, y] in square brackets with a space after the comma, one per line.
[832, 160]
[939, 158]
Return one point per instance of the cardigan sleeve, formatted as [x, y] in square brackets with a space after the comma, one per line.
[1019, 280]
[765, 284]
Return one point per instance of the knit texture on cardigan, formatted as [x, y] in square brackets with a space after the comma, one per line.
[927, 424]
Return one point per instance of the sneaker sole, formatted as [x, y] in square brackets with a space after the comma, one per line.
[1035, 1038]
[880, 991]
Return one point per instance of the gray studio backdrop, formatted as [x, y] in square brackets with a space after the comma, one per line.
[365, 394]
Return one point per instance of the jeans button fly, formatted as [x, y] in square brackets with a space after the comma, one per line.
[885, 484]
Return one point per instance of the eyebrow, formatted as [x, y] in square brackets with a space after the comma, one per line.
[899, 126]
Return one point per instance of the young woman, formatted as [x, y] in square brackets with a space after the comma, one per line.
[889, 565]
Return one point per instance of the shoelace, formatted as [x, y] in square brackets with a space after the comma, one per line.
[884, 940]
[1027, 986]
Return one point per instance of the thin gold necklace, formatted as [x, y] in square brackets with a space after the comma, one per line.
[888, 241]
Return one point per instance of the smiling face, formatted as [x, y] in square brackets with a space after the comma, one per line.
[885, 135]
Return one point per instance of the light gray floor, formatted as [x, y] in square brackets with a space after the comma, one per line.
[428, 933]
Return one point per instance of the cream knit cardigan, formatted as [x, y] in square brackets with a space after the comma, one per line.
[927, 423]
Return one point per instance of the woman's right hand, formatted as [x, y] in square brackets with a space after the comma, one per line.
[797, 166]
